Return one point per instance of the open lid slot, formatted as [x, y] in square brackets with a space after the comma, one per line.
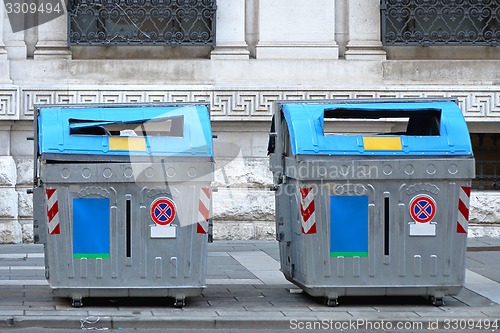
[422, 122]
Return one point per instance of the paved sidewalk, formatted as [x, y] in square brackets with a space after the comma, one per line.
[245, 290]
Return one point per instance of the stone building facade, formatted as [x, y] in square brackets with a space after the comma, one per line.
[263, 51]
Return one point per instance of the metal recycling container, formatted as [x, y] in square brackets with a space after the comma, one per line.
[122, 199]
[379, 209]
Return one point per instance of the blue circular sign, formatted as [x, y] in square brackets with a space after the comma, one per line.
[422, 208]
[163, 211]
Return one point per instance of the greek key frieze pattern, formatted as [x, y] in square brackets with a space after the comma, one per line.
[235, 105]
[9, 104]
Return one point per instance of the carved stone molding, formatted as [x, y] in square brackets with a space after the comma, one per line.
[9, 104]
[243, 104]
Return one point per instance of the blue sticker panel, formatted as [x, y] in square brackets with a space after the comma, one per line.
[349, 226]
[91, 228]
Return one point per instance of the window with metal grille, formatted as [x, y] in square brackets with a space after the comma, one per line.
[440, 22]
[486, 149]
[141, 22]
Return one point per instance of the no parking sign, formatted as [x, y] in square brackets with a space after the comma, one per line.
[422, 208]
[163, 211]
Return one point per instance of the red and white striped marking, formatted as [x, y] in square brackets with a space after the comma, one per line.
[463, 209]
[204, 210]
[52, 211]
[307, 210]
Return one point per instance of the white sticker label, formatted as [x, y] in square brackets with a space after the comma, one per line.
[168, 231]
[422, 229]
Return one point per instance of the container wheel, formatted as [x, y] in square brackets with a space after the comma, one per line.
[331, 301]
[76, 303]
[437, 301]
[179, 303]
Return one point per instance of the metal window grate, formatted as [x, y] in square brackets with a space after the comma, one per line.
[440, 22]
[487, 153]
[141, 22]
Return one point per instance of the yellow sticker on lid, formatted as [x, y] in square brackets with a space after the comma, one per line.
[382, 143]
[127, 144]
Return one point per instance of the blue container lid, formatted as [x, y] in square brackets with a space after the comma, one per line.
[433, 128]
[125, 130]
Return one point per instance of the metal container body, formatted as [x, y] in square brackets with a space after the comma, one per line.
[382, 214]
[139, 261]
[119, 223]
[392, 256]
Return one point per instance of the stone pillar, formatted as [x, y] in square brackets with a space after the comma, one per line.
[364, 31]
[4, 63]
[3, 20]
[14, 41]
[294, 29]
[53, 39]
[230, 39]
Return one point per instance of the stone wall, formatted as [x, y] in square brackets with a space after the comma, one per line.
[10, 228]
[243, 205]
[485, 207]
[265, 51]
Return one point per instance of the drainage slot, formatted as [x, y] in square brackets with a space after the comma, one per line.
[128, 227]
[386, 226]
